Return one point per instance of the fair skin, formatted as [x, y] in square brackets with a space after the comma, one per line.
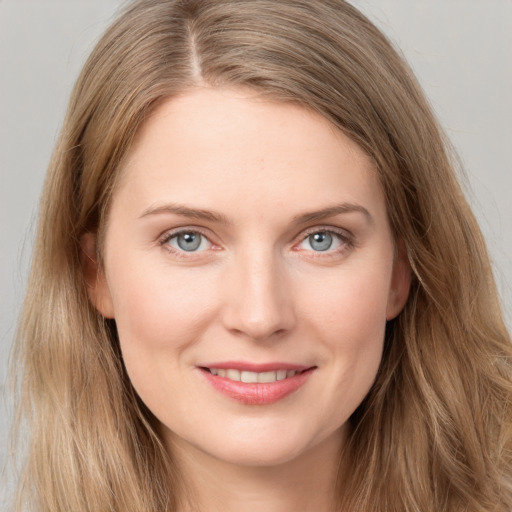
[249, 235]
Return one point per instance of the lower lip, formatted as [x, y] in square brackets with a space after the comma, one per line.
[257, 393]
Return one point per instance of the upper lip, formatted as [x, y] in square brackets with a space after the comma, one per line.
[255, 367]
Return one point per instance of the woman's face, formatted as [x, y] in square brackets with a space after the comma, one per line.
[250, 269]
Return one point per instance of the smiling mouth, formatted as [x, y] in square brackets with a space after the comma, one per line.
[253, 377]
[272, 383]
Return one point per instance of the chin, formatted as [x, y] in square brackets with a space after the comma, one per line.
[268, 449]
[259, 456]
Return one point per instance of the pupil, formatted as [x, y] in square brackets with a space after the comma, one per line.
[189, 241]
[320, 241]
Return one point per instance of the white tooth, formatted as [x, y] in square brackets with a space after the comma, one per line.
[249, 377]
[214, 371]
[221, 373]
[290, 373]
[281, 374]
[233, 374]
[267, 377]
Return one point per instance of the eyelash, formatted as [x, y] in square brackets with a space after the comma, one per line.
[345, 238]
[167, 237]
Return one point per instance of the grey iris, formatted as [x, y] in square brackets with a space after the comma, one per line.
[320, 241]
[189, 241]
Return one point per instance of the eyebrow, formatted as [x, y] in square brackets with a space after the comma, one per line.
[331, 211]
[211, 216]
[185, 211]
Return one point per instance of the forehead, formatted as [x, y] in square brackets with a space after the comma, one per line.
[212, 145]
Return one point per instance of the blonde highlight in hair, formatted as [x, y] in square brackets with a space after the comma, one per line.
[434, 433]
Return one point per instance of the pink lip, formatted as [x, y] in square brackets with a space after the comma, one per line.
[253, 367]
[257, 393]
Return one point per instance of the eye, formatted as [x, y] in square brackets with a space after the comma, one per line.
[188, 241]
[323, 241]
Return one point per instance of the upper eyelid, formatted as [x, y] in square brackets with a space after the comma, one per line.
[170, 233]
[325, 229]
[343, 233]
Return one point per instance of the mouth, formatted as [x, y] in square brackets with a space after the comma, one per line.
[250, 377]
[256, 384]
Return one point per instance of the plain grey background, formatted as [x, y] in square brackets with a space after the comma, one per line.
[461, 50]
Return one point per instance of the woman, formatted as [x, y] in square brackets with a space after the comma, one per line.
[257, 284]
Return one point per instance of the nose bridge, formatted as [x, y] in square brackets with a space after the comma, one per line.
[258, 303]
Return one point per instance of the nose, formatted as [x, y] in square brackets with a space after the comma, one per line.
[258, 302]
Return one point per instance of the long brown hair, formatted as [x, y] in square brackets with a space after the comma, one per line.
[434, 433]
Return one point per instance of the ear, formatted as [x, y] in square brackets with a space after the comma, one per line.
[400, 282]
[97, 286]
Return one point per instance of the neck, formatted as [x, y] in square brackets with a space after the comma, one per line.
[308, 482]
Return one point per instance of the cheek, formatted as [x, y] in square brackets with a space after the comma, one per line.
[158, 314]
[355, 336]
[352, 300]
[349, 318]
